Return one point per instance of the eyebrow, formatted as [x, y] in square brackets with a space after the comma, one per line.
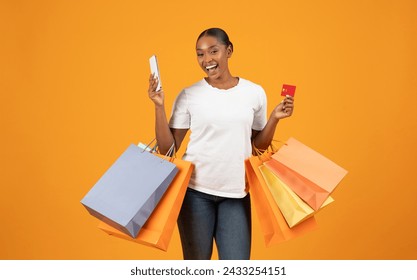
[208, 47]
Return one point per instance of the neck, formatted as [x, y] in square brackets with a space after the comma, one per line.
[224, 82]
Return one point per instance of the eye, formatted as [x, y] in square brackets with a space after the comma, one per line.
[214, 51]
[199, 54]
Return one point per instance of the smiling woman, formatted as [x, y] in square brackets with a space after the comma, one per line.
[71, 100]
[226, 115]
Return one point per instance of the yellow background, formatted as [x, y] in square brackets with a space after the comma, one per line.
[73, 83]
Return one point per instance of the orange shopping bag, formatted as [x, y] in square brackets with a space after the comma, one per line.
[309, 174]
[158, 229]
[273, 225]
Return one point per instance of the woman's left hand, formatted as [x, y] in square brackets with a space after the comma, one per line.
[284, 109]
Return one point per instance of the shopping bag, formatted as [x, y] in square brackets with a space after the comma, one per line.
[309, 174]
[305, 189]
[158, 229]
[292, 207]
[125, 196]
[273, 225]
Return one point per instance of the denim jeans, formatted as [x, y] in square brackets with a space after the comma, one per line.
[204, 217]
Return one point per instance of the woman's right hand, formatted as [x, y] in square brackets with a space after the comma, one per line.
[156, 96]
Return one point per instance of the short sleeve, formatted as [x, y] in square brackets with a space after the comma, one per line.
[260, 119]
[180, 116]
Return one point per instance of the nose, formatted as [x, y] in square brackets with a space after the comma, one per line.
[207, 58]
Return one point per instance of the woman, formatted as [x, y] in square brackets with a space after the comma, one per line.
[225, 114]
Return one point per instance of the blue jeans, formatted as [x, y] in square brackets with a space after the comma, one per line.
[204, 217]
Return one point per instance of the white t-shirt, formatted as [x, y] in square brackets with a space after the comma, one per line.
[221, 123]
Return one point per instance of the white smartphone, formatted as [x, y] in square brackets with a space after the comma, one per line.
[153, 62]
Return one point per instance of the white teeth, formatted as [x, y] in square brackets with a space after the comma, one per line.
[210, 67]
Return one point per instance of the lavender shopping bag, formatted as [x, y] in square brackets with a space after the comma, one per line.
[125, 196]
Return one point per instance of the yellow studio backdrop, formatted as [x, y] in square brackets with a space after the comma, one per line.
[73, 84]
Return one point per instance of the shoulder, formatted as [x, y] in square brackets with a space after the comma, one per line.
[253, 87]
[198, 86]
[190, 91]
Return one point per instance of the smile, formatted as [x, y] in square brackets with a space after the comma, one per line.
[211, 67]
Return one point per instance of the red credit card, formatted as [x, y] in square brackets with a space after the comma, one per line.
[288, 90]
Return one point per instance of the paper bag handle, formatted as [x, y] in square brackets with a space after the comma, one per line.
[171, 152]
[272, 148]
